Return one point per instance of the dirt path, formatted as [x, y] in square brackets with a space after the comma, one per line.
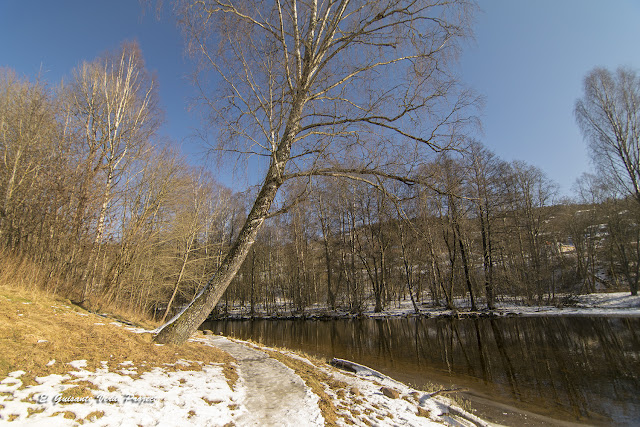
[275, 395]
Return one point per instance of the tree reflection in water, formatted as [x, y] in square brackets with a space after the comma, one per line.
[579, 368]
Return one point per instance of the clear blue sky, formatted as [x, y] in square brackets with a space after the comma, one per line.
[528, 60]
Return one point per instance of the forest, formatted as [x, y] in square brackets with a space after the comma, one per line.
[105, 212]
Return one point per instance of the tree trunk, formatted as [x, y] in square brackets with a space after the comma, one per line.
[179, 329]
[189, 320]
[407, 268]
[331, 298]
[467, 273]
[185, 258]
[252, 299]
[487, 258]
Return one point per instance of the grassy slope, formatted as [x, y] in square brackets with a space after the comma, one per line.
[36, 329]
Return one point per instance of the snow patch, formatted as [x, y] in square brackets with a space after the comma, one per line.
[78, 364]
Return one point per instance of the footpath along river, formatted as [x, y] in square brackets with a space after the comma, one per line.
[552, 369]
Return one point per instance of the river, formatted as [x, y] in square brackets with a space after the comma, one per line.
[566, 369]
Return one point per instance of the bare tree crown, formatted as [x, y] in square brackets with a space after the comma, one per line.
[367, 77]
[609, 116]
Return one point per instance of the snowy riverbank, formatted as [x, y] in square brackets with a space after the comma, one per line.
[63, 366]
[615, 304]
[267, 393]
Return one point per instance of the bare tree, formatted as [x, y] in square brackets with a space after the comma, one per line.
[609, 116]
[27, 150]
[325, 227]
[483, 166]
[407, 233]
[353, 89]
[197, 206]
[111, 105]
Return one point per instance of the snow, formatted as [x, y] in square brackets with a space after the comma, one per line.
[615, 304]
[157, 397]
[274, 394]
[361, 369]
[78, 363]
[369, 406]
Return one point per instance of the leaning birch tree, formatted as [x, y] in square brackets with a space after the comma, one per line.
[358, 90]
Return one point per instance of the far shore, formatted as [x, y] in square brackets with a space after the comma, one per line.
[611, 304]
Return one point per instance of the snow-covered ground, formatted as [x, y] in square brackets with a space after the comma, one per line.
[375, 399]
[598, 304]
[272, 394]
[158, 397]
[266, 393]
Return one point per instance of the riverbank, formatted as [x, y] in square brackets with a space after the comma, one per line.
[61, 365]
[613, 304]
[575, 369]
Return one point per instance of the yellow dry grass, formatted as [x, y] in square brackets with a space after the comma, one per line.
[36, 329]
[23, 274]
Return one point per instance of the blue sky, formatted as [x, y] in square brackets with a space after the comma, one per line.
[50, 38]
[528, 61]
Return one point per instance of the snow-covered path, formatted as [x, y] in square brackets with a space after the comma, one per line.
[274, 394]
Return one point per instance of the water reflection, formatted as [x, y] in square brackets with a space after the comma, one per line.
[584, 369]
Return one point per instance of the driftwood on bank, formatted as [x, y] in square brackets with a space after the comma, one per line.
[356, 368]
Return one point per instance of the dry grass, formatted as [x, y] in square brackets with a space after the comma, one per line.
[95, 415]
[230, 373]
[36, 328]
[67, 414]
[211, 402]
[23, 274]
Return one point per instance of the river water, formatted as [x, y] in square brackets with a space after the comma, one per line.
[575, 369]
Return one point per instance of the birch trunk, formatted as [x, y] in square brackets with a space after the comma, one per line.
[179, 329]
